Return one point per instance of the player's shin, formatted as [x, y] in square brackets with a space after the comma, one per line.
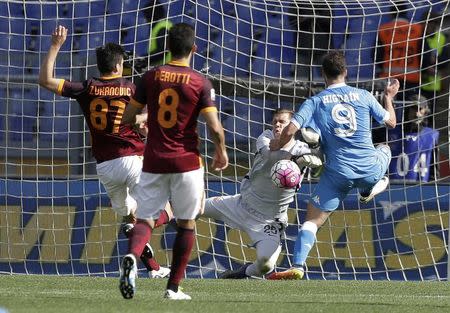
[268, 252]
[305, 241]
[139, 237]
[148, 260]
[147, 254]
[182, 247]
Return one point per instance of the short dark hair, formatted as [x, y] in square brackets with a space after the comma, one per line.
[334, 64]
[181, 39]
[108, 56]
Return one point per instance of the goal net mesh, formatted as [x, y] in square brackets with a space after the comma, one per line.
[55, 217]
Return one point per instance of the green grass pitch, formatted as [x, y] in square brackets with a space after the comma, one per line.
[38, 293]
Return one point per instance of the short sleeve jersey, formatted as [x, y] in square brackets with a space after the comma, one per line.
[103, 102]
[343, 116]
[175, 95]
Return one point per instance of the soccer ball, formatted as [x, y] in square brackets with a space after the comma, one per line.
[285, 174]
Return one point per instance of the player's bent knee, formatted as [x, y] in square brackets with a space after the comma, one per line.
[186, 224]
[122, 211]
[384, 152]
[265, 266]
[385, 149]
[124, 208]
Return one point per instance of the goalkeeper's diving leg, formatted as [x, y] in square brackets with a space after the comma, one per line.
[267, 254]
[305, 241]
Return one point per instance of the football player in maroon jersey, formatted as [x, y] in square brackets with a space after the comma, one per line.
[175, 96]
[118, 148]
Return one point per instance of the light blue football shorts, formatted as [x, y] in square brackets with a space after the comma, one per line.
[333, 187]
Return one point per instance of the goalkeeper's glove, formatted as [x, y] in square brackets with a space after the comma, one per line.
[305, 156]
[309, 160]
[314, 158]
[299, 148]
[316, 172]
[310, 136]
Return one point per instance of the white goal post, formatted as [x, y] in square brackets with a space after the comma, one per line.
[55, 217]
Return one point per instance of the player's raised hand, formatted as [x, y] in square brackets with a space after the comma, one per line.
[59, 36]
[141, 124]
[220, 160]
[46, 73]
[392, 87]
[274, 144]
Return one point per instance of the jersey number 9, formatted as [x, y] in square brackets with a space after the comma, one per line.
[344, 114]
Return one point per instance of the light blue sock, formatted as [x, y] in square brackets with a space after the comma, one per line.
[305, 241]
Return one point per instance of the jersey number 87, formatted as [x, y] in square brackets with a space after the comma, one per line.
[98, 114]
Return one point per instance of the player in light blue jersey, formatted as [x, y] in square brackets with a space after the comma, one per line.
[343, 115]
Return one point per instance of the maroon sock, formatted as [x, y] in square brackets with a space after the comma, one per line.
[150, 264]
[140, 236]
[182, 247]
[162, 219]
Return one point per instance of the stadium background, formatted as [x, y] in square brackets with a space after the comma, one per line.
[54, 216]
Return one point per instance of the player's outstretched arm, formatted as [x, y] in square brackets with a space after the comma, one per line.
[220, 159]
[286, 136]
[46, 78]
[390, 91]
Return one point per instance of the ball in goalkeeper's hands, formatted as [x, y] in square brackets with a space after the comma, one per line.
[285, 174]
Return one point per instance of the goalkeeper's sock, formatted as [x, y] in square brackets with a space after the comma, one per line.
[139, 237]
[305, 241]
[240, 273]
[182, 247]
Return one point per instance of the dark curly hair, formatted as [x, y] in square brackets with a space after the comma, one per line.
[181, 39]
[333, 64]
[108, 56]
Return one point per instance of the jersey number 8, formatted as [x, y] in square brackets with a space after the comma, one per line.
[168, 103]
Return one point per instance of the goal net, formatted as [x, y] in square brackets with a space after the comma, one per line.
[55, 217]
